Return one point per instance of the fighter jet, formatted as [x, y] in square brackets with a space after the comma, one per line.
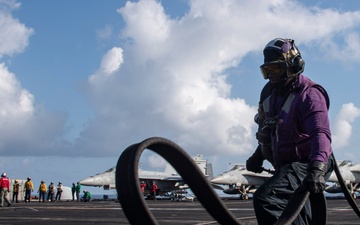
[350, 172]
[240, 180]
[167, 181]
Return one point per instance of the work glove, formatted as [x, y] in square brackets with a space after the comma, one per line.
[315, 181]
[255, 162]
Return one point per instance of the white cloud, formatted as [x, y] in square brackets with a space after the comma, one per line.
[169, 77]
[156, 161]
[105, 32]
[14, 36]
[26, 129]
[147, 25]
[342, 128]
[173, 79]
[110, 63]
[15, 101]
[180, 93]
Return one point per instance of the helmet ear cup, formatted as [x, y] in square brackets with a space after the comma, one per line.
[298, 65]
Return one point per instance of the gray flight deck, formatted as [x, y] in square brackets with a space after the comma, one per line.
[165, 211]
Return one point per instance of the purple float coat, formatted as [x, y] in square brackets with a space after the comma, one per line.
[302, 132]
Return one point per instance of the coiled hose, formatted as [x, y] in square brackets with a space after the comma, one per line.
[135, 207]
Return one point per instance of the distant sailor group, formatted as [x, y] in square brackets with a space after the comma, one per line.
[50, 193]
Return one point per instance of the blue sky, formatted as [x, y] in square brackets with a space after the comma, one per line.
[82, 80]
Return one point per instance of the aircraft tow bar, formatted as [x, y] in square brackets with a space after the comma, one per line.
[135, 207]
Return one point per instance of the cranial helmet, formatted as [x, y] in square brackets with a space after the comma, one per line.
[282, 59]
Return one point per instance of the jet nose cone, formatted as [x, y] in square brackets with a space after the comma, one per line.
[333, 177]
[87, 181]
[218, 180]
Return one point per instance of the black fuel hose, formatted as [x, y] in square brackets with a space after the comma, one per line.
[317, 201]
[131, 198]
[137, 212]
[297, 202]
[299, 199]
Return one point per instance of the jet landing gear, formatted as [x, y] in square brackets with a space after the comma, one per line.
[353, 189]
[244, 190]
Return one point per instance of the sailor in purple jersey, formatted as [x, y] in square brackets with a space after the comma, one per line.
[294, 133]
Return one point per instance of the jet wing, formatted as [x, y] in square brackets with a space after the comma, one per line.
[256, 179]
[247, 173]
[172, 179]
[356, 174]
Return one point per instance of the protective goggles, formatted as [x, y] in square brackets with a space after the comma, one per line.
[273, 69]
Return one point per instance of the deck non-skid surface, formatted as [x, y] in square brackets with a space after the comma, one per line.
[165, 211]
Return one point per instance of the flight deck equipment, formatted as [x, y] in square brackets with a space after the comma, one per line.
[136, 210]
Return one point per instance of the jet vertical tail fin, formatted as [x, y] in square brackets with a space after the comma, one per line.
[204, 166]
[209, 171]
